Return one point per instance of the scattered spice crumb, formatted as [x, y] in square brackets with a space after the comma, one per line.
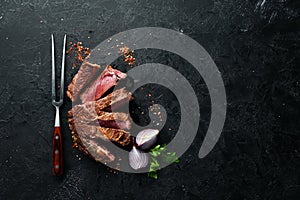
[155, 111]
[78, 52]
[127, 54]
[110, 170]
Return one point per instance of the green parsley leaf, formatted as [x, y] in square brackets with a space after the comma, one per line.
[159, 152]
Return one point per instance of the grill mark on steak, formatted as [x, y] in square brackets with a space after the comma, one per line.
[107, 79]
[85, 75]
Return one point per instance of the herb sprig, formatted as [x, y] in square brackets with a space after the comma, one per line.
[160, 154]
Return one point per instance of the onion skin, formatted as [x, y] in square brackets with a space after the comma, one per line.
[146, 138]
[138, 159]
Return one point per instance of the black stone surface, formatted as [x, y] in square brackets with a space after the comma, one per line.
[255, 44]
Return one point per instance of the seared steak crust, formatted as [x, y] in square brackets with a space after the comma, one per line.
[93, 131]
[108, 78]
[91, 111]
[86, 73]
[91, 122]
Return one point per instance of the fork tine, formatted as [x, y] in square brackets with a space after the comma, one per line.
[53, 69]
[62, 77]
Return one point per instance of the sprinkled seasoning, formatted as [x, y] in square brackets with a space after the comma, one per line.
[78, 52]
[110, 170]
[155, 110]
[127, 54]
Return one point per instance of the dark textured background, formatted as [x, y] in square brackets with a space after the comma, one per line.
[255, 44]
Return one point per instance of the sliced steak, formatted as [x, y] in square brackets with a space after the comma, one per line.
[117, 120]
[92, 111]
[112, 101]
[104, 133]
[84, 76]
[89, 145]
[99, 153]
[116, 135]
[108, 78]
[92, 124]
[105, 119]
[87, 131]
[119, 96]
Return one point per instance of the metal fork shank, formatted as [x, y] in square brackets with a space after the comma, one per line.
[53, 94]
[62, 76]
[57, 120]
[58, 103]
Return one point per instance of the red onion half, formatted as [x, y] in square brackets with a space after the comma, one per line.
[146, 138]
[138, 159]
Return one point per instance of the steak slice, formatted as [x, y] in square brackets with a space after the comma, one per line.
[91, 111]
[112, 101]
[90, 146]
[105, 119]
[86, 130]
[92, 126]
[107, 79]
[85, 75]
[99, 153]
[97, 132]
[117, 120]
[116, 135]
[117, 97]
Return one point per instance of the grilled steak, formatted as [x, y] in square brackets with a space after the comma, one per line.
[86, 73]
[92, 123]
[112, 101]
[93, 148]
[92, 139]
[115, 120]
[99, 153]
[108, 78]
[87, 144]
[92, 111]
[97, 132]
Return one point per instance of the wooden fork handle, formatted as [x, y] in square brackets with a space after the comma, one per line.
[57, 154]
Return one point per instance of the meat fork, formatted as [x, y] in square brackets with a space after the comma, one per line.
[57, 154]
